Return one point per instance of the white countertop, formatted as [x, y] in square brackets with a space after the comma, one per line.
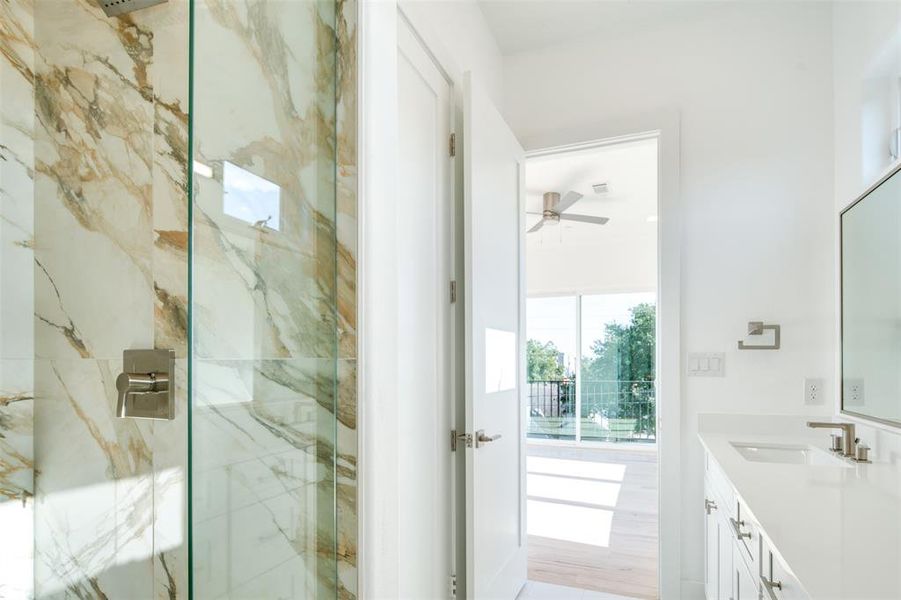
[838, 530]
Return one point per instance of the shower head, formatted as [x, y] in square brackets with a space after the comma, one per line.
[113, 8]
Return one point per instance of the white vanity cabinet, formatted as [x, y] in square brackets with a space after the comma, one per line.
[737, 553]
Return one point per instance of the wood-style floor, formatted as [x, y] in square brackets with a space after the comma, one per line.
[597, 521]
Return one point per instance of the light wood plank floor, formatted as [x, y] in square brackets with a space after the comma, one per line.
[593, 519]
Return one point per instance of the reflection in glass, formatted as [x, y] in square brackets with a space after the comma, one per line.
[249, 197]
[500, 360]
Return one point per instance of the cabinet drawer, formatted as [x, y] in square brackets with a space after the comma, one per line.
[744, 581]
[776, 582]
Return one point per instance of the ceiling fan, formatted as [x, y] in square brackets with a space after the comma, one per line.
[554, 206]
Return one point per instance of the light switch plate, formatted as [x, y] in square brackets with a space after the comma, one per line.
[706, 364]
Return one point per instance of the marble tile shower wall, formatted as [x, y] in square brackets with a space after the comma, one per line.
[110, 273]
[93, 235]
[16, 297]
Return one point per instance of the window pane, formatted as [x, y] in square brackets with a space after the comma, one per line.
[551, 365]
[617, 371]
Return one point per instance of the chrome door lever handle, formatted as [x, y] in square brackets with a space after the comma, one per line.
[482, 439]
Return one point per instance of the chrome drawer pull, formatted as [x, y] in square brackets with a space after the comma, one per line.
[769, 586]
[737, 525]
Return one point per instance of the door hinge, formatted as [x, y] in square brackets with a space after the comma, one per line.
[456, 438]
[453, 291]
[453, 586]
[452, 144]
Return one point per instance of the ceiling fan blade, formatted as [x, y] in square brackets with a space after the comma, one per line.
[585, 219]
[536, 226]
[532, 212]
[567, 200]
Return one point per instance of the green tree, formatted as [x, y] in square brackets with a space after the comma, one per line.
[542, 361]
[618, 374]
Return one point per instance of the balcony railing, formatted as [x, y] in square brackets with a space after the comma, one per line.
[610, 410]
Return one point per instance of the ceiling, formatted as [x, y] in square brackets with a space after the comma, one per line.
[520, 25]
[576, 256]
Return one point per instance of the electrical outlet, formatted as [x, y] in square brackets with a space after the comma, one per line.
[813, 390]
[852, 392]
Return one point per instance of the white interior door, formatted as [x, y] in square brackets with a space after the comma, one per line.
[424, 377]
[495, 470]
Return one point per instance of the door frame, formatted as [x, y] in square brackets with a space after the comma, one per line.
[665, 126]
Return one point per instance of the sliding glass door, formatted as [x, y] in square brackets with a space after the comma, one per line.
[591, 367]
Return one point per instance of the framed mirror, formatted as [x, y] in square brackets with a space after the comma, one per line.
[870, 276]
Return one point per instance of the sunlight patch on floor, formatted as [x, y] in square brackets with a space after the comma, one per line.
[579, 524]
[576, 468]
[582, 491]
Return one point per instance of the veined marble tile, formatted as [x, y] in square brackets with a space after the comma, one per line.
[16, 477]
[16, 429]
[346, 479]
[266, 410]
[110, 273]
[169, 444]
[251, 409]
[277, 96]
[169, 74]
[16, 298]
[346, 182]
[346, 232]
[295, 578]
[278, 305]
[93, 163]
[263, 471]
[94, 486]
[16, 179]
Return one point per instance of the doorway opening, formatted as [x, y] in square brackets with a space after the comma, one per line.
[591, 369]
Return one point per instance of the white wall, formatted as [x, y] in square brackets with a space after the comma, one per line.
[753, 84]
[867, 60]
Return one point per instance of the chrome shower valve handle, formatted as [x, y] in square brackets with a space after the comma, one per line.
[144, 385]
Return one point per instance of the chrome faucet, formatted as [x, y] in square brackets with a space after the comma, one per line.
[849, 439]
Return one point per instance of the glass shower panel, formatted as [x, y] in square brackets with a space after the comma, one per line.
[263, 299]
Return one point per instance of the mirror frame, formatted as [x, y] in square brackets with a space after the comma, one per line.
[893, 170]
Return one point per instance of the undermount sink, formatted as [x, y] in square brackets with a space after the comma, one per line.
[788, 454]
